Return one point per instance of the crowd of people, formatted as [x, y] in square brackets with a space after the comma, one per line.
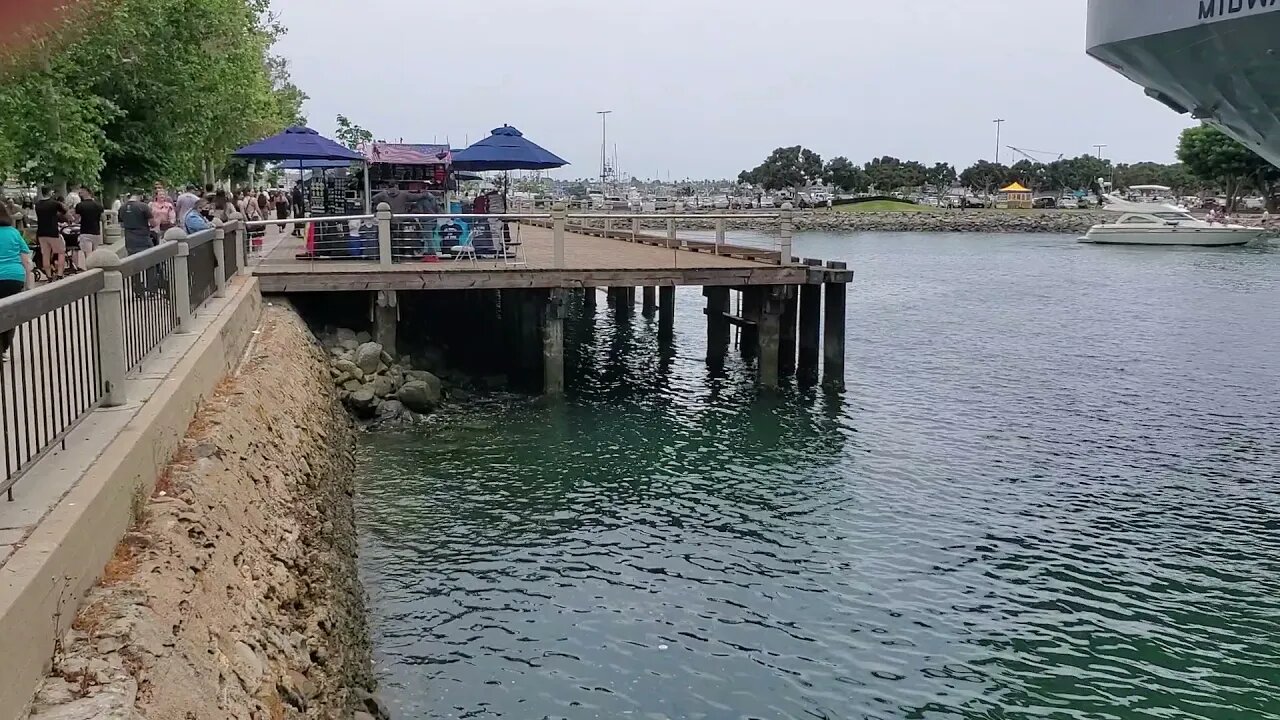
[51, 236]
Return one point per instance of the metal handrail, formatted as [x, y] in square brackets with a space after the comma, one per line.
[666, 216]
[324, 218]
[147, 258]
[201, 238]
[473, 216]
[27, 306]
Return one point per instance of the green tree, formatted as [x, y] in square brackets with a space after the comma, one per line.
[163, 89]
[352, 135]
[844, 175]
[1218, 160]
[985, 176]
[786, 167]
[941, 176]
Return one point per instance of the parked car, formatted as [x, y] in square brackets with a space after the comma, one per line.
[766, 202]
[1044, 203]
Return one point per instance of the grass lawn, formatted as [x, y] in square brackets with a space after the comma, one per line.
[882, 206]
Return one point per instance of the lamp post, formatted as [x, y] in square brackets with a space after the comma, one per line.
[998, 122]
[604, 139]
[1098, 148]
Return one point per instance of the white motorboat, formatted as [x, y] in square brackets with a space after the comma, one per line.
[1147, 224]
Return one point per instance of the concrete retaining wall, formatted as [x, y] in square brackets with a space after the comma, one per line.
[44, 581]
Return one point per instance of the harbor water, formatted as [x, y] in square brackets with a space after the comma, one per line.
[1050, 490]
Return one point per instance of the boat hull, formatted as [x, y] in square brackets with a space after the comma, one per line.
[1217, 237]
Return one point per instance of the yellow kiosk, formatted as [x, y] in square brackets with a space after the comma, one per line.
[1014, 196]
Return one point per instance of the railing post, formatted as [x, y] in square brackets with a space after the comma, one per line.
[719, 234]
[671, 233]
[384, 234]
[110, 316]
[181, 278]
[784, 234]
[635, 229]
[112, 233]
[242, 239]
[608, 226]
[558, 215]
[219, 258]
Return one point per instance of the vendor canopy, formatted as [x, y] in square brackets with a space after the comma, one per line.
[506, 149]
[298, 143]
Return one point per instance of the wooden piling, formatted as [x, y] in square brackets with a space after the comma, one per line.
[749, 330]
[666, 310]
[717, 311]
[787, 333]
[810, 332]
[650, 303]
[768, 334]
[588, 300]
[833, 336]
[386, 314]
[553, 343]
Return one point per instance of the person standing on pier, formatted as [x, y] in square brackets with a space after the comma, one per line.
[163, 214]
[90, 212]
[299, 207]
[15, 268]
[135, 220]
[48, 211]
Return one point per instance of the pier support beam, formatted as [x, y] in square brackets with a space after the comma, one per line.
[386, 312]
[833, 335]
[588, 300]
[666, 312]
[717, 325]
[623, 300]
[787, 334]
[650, 300]
[769, 333]
[749, 333]
[810, 332]
[553, 343]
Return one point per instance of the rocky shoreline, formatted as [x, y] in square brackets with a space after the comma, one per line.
[987, 221]
[382, 390]
[235, 593]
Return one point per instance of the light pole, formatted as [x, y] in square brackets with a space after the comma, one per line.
[604, 137]
[998, 122]
[1099, 149]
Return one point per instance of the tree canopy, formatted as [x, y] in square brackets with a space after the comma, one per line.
[1219, 160]
[786, 167]
[161, 89]
[350, 134]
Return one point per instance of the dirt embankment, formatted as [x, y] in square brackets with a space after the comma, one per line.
[235, 594]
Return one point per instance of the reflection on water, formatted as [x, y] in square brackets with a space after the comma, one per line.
[1049, 491]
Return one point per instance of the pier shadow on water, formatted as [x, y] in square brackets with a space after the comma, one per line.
[1043, 495]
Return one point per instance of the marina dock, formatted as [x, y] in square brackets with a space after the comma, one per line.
[560, 258]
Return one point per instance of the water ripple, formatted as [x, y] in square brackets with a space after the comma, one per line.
[1049, 492]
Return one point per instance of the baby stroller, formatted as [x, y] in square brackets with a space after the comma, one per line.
[36, 255]
[71, 237]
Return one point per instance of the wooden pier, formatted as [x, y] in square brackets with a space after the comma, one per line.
[792, 312]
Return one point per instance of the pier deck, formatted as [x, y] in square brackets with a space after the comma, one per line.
[590, 261]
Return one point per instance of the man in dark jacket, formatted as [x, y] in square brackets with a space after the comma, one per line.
[299, 207]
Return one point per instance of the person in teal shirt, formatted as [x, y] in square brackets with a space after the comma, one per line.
[15, 268]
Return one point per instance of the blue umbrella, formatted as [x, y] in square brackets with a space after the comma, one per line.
[298, 143]
[506, 149]
[309, 148]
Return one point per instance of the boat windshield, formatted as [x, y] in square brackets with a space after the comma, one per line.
[1173, 216]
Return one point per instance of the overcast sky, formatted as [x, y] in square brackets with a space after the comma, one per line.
[705, 89]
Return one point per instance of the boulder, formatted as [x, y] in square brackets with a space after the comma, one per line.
[363, 337]
[348, 367]
[390, 410]
[381, 386]
[368, 357]
[363, 403]
[348, 345]
[420, 395]
[388, 359]
[344, 334]
[352, 385]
